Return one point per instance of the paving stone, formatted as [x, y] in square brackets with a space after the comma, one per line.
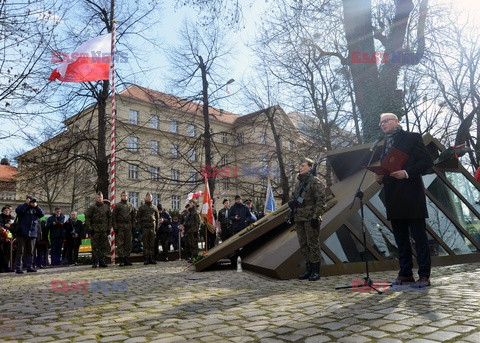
[375, 333]
[475, 337]
[424, 329]
[442, 336]
[318, 339]
[460, 328]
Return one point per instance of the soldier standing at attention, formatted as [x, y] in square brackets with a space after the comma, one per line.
[308, 219]
[124, 222]
[147, 219]
[192, 225]
[98, 221]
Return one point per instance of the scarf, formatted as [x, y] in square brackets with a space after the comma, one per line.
[389, 139]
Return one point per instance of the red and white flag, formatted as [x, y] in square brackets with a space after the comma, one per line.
[89, 62]
[207, 209]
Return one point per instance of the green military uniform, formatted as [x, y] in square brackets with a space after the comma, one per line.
[98, 221]
[311, 209]
[192, 225]
[124, 221]
[147, 219]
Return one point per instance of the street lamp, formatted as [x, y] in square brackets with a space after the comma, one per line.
[227, 83]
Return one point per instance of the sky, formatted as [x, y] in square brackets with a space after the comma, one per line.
[168, 28]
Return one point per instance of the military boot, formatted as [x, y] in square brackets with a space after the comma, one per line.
[315, 274]
[127, 262]
[152, 260]
[94, 264]
[307, 272]
[122, 262]
[102, 263]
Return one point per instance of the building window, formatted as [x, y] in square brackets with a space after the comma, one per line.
[225, 160]
[154, 173]
[263, 182]
[175, 202]
[224, 137]
[133, 197]
[173, 150]
[133, 171]
[153, 147]
[226, 183]
[154, 122]
[240, 138]
[133, 144]
[193, 178]
[263, 138]
[175, 175]
[173, 126]
[156, 199]
[88, 202]
[192, 155]
[133, 117]
[192, 130]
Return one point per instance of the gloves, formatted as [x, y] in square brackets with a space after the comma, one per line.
[315, 223]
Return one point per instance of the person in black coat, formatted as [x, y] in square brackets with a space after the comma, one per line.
[239, 214]
[74, 232]
[405, 199]
[56, 229]
[164, 233]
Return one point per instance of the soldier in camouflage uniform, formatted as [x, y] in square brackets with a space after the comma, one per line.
[147, 219]
[308, 219]
[124, 221]
[98, 221]
[192, 225]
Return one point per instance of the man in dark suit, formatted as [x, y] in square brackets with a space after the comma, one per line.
[405, 199]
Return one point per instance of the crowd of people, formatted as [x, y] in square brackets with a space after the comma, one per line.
[150, 229]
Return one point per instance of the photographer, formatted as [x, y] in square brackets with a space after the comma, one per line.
[28, 215]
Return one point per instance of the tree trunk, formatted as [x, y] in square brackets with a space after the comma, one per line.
[207, 140]
[376, 87]
[102, 159]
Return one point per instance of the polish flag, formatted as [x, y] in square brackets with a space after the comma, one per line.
[89, 62]
[207, 209]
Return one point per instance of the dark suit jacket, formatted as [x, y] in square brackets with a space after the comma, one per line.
[405, 199]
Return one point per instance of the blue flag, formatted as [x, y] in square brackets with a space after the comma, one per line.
[270, 201]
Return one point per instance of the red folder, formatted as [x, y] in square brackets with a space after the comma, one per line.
[394, 161]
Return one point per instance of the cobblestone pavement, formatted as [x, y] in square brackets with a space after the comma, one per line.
[170, 303]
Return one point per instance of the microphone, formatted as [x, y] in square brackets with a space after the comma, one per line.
[374, 145]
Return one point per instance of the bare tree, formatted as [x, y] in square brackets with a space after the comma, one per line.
[454, 67]
[199, 64]
[26, 29]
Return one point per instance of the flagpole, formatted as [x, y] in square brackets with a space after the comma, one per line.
[113, 146]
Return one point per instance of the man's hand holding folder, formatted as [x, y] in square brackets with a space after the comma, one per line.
[393, 162]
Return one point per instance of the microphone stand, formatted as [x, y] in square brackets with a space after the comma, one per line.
[359, 194]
